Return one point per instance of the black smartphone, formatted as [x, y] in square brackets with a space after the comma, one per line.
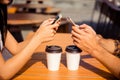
[58, 17]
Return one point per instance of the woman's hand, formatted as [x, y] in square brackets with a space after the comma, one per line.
[47, 30]
[85, 38]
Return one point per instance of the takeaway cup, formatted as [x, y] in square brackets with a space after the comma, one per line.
[53, 53]
[73, 57]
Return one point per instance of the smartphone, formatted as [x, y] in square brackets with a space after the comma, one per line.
[71, 21]
[58, 17]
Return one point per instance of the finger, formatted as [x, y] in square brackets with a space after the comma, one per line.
[48, 21]
[83, 26]
[52, 20]
[56, 28]
[87, 28]
[45, 22]
[59, 22]
[77, 44]
[52, 34]
[75, 39]
[100, 36]
[74, 34]
[56, 25]
[54, 31]
[76, 26]
[78, 31]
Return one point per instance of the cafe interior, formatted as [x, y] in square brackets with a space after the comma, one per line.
[24, 16]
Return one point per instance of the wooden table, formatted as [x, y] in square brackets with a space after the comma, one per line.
[18, 19]
[30, 5]
[89, 69]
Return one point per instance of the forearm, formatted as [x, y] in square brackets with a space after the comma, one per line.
[23, 44]
[16, 47]
[109, 60]
[13, 65]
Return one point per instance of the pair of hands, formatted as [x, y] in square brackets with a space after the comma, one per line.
[83, 36]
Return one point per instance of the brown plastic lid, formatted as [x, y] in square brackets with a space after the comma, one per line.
[73, 49]
[53, 49]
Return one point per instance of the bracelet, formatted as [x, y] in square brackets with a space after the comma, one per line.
[117, 47]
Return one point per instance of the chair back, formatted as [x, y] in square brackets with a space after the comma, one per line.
[108, 24]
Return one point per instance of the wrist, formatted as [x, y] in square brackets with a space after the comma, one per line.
[98, 51]
[99, 37]
[37, 39]
[108, 44]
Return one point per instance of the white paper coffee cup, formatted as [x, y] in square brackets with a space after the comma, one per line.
[73, 57]
[53, 57]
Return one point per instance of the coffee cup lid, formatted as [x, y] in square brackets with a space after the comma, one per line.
[53, 49]
[73, 49]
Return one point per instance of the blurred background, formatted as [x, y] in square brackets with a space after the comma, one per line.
[78, 10]
[102, 15]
